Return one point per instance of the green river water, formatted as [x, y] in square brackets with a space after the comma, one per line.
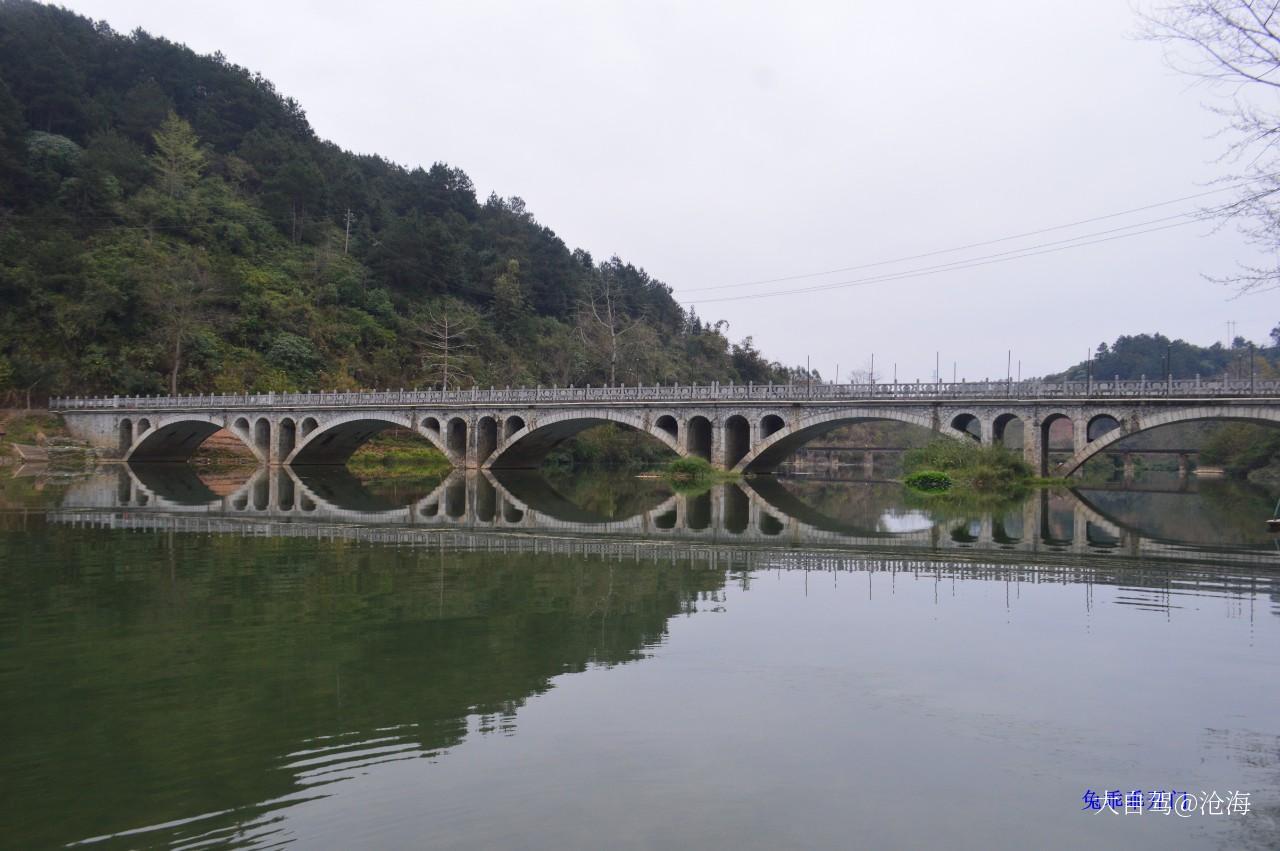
[593, 661]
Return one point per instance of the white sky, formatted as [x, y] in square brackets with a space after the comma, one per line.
[715, 143]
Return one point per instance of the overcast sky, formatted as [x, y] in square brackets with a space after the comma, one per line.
[721, 143]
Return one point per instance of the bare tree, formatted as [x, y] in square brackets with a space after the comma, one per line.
[602, 316]
[444, 339]
[1234, 46]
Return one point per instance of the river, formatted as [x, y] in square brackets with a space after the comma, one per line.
[253, 660]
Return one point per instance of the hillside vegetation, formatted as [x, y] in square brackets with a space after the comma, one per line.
[170, 223]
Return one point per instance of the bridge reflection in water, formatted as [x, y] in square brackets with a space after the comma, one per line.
[324, 667]
[747, 520]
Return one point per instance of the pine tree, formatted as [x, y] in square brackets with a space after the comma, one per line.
[178, 160]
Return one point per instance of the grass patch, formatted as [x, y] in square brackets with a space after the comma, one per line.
[398, 454]
[695, 473]
[28, 427]
[929, 480]
[969, 467]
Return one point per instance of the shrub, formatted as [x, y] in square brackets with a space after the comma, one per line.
[692, 468]
[969, 465]
[929, 480]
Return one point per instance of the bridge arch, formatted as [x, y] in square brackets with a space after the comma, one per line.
[176, 438]
[968, 424]
[486, 438]
[773, 450]
[1001, 431]
[1141, 423]
[527, 447]
[771, 424]
[1100, 424]
[334, 439]
[737, 439]
[698, 437]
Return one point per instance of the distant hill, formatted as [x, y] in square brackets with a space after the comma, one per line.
[1132, 357]
[170, 221]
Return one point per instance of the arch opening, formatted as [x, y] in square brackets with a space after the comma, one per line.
[699, 434]
[600, 440]
[668, 424]
[431, 424]
[262, 435]
[1057, 439]
[456, 439]
[334, 444]
[126, 435]
[486, 438]
[287, 436]
[777, 448]
[512, 425]
[969, 424]
[174, 441]
[1100, 425]
[308, 425]
[771, 424]
[1008, 431]
[737, 440]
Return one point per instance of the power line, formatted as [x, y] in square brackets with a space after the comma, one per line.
[951, 267]
[987, 242]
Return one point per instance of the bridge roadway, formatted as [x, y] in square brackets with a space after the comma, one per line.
[742, 427]
[752, 514]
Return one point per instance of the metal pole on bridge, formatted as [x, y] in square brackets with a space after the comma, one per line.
[1251, 368]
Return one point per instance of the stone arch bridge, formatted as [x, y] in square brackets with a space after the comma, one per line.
[740, 427]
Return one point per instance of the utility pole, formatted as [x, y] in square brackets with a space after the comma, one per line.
[937, 366]
[346, 239]
[808, 378]
[872, 377]
[1251, 382]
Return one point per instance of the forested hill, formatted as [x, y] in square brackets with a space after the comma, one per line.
[169, 220]
[1155, 355]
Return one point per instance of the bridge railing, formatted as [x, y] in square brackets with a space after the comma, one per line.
[715, 392]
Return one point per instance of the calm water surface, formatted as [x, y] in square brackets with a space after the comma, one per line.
[581, 662]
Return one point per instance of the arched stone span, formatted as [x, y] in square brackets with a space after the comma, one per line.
[335, 439]
[773, 450]
[1138, 424]
[1004, 426]
[177, 438]
[1101, 424]
[699, 439]
[737, 439]
[527, 447]
[968, 424]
